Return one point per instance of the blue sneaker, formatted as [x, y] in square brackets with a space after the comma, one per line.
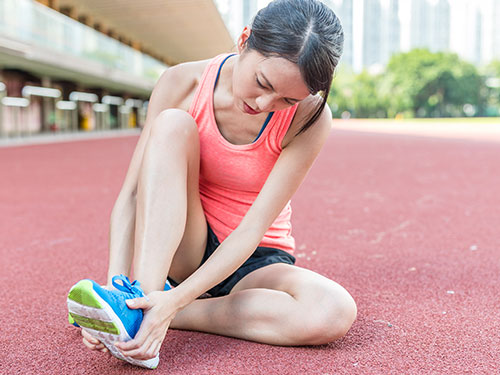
[105, 315]
[73, 323]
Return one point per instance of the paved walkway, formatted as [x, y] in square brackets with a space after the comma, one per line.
[409, 225]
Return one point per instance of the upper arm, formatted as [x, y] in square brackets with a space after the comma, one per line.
[287, 174]
[172, 90]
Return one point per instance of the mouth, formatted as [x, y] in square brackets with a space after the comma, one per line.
[249, 109]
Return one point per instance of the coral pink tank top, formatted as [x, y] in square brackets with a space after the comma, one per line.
[231, 176]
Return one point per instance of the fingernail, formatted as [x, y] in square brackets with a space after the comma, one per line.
[130, 302]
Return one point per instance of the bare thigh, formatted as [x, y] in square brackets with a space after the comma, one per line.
[319, 297]
[287, 278]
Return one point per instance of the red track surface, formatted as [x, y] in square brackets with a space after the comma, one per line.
[408, 225]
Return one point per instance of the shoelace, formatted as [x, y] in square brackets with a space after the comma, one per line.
[126, 286]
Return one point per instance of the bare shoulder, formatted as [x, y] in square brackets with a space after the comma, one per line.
[177, 85]
[320, 129]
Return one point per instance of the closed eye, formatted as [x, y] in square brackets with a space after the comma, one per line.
[260, 84]
[264, 87]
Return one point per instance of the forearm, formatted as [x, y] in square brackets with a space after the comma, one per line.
[227, 258]
[121, 236]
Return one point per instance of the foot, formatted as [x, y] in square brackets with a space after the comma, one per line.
[73, 323]
[105, 315]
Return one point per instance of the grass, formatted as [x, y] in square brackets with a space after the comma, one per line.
[454, 120]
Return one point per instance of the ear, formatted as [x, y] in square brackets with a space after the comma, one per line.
[245, 34]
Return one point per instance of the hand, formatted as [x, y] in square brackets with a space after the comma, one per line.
[159, 310]
[92, 343]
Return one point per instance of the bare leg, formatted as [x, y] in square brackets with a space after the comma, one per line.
[279, 305]
[169, 216]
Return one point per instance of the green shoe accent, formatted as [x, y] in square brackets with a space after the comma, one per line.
[70, 319]
[98, 325]
[83, 293]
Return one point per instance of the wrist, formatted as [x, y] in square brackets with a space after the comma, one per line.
[179, 296]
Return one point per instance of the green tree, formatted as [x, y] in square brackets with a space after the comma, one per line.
[426, 84]
[340, 96]
[367, 99]
[492, 79]
[356, 94]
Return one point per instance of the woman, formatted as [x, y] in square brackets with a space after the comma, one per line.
[206, 198]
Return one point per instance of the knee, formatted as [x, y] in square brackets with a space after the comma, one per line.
[173, 125]
[330, 319]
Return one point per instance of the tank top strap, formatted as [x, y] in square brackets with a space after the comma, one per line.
[281, 123]
[206, 86]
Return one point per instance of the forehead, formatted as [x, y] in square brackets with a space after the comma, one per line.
[283, 75]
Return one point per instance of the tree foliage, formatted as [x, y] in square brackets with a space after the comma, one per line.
[492, 74]
[418, 83]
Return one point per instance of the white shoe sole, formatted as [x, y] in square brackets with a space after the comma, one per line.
[97, 317]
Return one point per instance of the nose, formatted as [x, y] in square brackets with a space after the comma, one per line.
[265, 102]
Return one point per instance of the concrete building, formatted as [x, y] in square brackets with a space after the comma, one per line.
[440, 25]
[239, 13]
[85, 58]
[490, 30]
[391, 30]
[429, 25]
[420, 24]
[109, 43]
[344, 10]
[471, 30]
[372, 33]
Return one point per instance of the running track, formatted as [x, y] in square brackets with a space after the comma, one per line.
[409, 225]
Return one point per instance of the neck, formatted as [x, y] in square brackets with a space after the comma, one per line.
[224, 87]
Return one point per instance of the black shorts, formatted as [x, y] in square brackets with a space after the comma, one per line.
[262, 256]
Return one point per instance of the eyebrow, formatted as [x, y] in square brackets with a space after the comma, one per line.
[272, 88]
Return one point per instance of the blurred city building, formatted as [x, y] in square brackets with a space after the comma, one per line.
[239, 13]
[91, 64]
[376, 29]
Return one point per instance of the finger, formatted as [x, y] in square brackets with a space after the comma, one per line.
[91, 339]
[124, 346]
[139, 339]
[141, 352]
[88, 344]
[142, 340]
[156, 349]
[152, 351]
[139, 303]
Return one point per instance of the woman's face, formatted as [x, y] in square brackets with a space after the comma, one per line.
[266, 84]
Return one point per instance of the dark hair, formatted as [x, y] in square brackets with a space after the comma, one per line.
[305, 32]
